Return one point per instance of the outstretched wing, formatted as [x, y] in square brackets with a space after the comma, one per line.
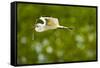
[50, 21]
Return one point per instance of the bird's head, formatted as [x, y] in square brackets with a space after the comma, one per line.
[39, 27]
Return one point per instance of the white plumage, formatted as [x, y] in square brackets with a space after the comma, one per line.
[48, 24]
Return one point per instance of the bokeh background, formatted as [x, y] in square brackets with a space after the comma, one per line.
[57, 45]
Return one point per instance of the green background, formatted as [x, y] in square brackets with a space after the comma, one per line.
[57, 45]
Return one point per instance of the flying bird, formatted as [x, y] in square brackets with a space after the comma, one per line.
[48, 23]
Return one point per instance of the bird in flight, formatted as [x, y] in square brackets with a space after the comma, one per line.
[48, 23]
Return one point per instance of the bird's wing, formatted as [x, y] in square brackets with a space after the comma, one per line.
[43, 19]
[51, 21]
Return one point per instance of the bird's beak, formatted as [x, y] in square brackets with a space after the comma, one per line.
[36, 21]
[33, 26]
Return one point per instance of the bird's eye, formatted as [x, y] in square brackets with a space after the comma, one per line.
[40, 21]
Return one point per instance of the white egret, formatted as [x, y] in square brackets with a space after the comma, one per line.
[48, 24]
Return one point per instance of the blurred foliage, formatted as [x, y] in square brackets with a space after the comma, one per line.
[56, 45]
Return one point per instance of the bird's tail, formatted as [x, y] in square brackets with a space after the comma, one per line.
[63, 27]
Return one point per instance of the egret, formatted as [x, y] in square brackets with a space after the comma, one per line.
[49, 23]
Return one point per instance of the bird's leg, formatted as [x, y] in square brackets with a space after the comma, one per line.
[63, 27]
